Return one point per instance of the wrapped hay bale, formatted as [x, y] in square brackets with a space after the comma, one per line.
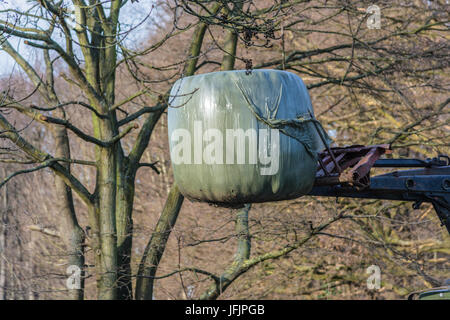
[240, 138]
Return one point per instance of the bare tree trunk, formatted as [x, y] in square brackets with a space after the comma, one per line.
[107, 223]
[155, 247]
[126, 176]
[3, 235]
[124, 225]
[71, 233]
[229, 47]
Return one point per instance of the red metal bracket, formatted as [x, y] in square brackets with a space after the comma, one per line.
[349, 165]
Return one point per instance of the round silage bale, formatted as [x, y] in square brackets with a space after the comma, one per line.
[240, 138]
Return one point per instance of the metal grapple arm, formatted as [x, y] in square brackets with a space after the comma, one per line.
[346, 173]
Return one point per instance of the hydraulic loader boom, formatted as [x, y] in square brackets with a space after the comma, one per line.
[345, 172]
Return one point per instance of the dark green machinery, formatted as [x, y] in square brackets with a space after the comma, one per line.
[440, 293]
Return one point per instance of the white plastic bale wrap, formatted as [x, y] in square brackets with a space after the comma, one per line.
[265, 99]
